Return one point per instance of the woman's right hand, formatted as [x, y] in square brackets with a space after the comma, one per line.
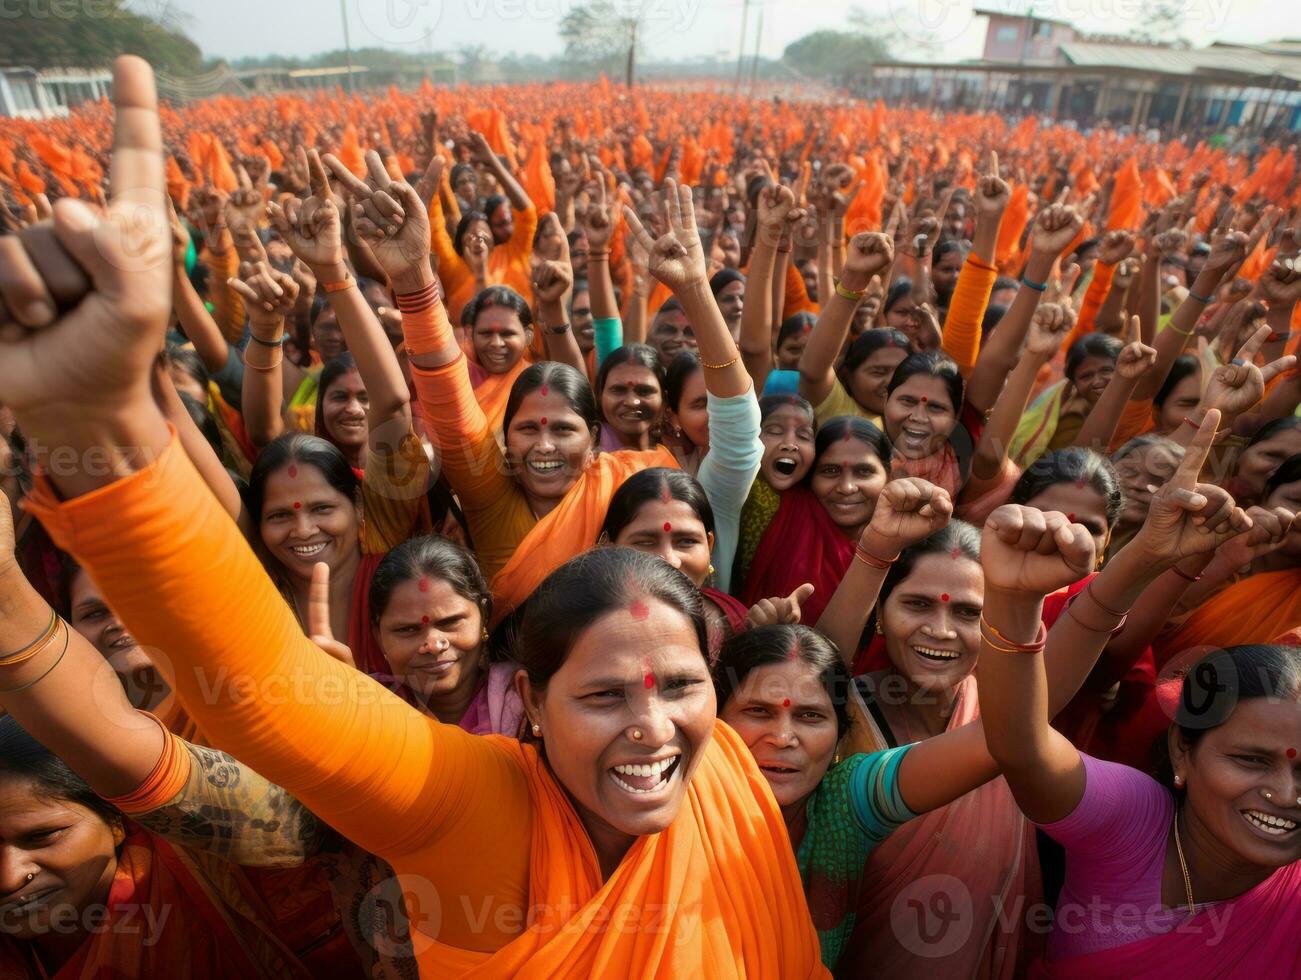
[596, 222]
[1235, 387]
[319, 630]
[907, 511]
[1033, 552]
[269, 297]
[677, 258]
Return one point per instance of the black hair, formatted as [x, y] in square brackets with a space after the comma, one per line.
[641, 355]
[590, 586]
[868, 343]
[658, 483]
[679, 371]
[23, 757]
[433, 557]
[1088, 243]
[189, 361]
[458, 170]
[770, 403]
[670, 305]
[335, 368]
[1091, 345]
[462, 226]
[723, 278]
[299, 448]
[320, 303]
[954, 538]
[1219, 682]
[1273, 428]
[994, 313]
[205, 423]
[1289, 471]
[935, 364]
[493, 203]
[1143, 442]
[798, 323]
[502, 296]
[1074, 464]
[851, 427]
[560, 378]
[767, 646]
[1004, 282]
[900, 288]
[1183, 366]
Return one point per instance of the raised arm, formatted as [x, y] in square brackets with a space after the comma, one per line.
[1135, 360]
[677, 259]
[553, 281]
[962, 324]
[870, 253]
[1055, 228]
[269, 296]
[776, 213]
[519, 198]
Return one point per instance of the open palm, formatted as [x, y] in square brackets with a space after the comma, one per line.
[677, 257]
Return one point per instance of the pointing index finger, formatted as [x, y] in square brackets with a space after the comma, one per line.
[1186, 475]
[136, 167]
[318, 602]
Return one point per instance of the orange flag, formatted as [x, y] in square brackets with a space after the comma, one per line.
[1014, 221]
[1126, 198]
[351, 154]
[220, 173]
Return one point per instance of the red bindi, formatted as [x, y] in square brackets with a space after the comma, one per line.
[544, 420]
[924, 399]
[424, 619]
[297, 505]
[786, 702]
[944, 597]
[292, 471]
[1079, 484]
[956, 553]
[648, 675]
[544, 389]
[1291, 753]
[667, 527]
[423, 585]
[638, 609]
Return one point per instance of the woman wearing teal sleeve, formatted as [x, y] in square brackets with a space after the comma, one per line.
[783, 688]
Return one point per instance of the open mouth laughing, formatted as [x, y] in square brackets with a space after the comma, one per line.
[646, 778]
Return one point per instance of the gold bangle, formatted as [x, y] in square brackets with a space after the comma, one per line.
[264, 367]
[23, 654]
[719, 367]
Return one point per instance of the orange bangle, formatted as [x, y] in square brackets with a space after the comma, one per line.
[1002, 644]
[334, 287]
[23, 654]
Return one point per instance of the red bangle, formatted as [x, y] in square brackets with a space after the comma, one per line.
[1101, 605]
[1002, 644]
[871, 560]
[421, 299]
[1183, 575]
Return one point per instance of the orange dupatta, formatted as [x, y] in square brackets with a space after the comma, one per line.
[492, 391]
[1251, 611]
[715, 895]
[570, 529]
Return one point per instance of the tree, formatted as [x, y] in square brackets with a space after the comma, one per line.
[91, 35]
[1163, 23]
[834, 53]
[603, 33]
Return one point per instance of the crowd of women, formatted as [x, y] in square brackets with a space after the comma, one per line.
[496, 533]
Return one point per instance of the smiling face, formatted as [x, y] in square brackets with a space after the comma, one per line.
[69, 848]
[1091, 377]
[693, 410]
[1081, 504]
[499, 339]
[503, 223]
[305, 521]
[672, 531]
[671, 334]
[631, 402]
[637, 669]
[476, 231]
[548, 445]
[901, 317]
[786, 717]
[847, 479]
[931, 621]
[1226, 772]
[868, 382]
[343, 411]
[919, 416]
[1179, 403]
[788, 439]
[433, 639]
[1139, 469]
[92, 618]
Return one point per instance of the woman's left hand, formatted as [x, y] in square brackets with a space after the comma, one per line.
[1035, 552]
[778, 611]
[318, 617]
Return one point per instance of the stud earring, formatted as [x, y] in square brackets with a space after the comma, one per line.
[485, 634]
[711, 569]
[537, 731]
[1179, 781]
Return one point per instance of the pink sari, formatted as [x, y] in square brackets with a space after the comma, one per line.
[982, 840]
[1259, 939]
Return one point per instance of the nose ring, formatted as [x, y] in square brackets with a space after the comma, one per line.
[636, 735]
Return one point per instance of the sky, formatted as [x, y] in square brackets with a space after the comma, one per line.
[944, 30]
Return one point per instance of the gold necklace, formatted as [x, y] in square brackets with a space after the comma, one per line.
[1183, 866]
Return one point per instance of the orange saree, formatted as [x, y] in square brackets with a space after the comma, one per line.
[1255, 610]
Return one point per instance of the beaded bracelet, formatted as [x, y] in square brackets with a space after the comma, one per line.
[557, 330]
[719, 367]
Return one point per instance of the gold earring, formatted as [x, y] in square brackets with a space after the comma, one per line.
[485, 635]
[711, 569]
[879, 630]
[537, 731]
[1097, 565]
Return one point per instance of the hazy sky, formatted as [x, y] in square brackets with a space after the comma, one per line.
[674, 28]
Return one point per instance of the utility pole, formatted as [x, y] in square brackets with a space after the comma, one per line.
[347, 43]
[632, 51]
[758, 43]
[740, 57]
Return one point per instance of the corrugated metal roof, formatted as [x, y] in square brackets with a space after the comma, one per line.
[1246, 62]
